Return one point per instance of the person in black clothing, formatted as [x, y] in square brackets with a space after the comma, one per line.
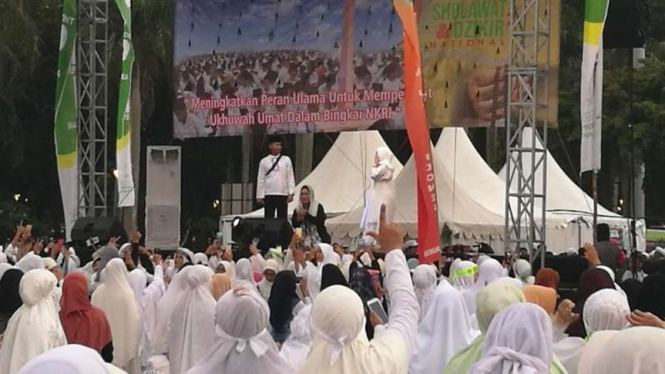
[10, 299]
[282, 302]
[311, 217]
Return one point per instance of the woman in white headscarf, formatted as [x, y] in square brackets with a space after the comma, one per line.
[488, 271]
[30, 262]
[490, 300]
[445, 330]
[295, 348]
[270, 270]
[244, 276]
[339, 341]
[69, 359]
[310, 216]
[424, 284]
[116, 298]
[3, 257]
[35, 327]
[519, 341]
[243, 344]
[381, 192]
[175, 292]
[605, 310]
[192, 331]
[464, 280]
[230, 269]
[523, 272]
[637, 350]
[313, 273]
[200, 259]
[3, 268]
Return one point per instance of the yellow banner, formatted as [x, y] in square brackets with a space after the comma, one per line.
[465, 53]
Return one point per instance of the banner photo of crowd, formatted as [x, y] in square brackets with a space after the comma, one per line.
[295, 66]
[286, 66]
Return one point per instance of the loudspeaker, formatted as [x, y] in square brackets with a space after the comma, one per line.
[271, 232]
[101, 227]
[162, 219]
[88, 228]
[623, 26]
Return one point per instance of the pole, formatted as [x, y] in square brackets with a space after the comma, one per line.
[595, 206]
[631, 185]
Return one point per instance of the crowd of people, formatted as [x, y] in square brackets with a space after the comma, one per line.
[279, 73]
[317, 308]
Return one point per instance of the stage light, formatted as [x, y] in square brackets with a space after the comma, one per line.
[115, 173]
[17, 197]
[236, 221]
[215, 204]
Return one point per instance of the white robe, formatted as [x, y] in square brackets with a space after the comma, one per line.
[35, 327]
[192, 331]
[116, 298]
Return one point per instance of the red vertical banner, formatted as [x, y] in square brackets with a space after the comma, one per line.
[418, 131]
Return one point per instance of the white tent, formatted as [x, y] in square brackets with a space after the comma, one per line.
[565, 199]
[339, 181]
[469, 219]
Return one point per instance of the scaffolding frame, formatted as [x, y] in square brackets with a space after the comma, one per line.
[92, 79]
[526, 162]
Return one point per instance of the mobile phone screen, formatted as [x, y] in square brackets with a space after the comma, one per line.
[375, 306]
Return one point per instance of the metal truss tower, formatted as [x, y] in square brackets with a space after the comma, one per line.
[92, 58]
[526, 162]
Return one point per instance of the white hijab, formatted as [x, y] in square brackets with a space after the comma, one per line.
[138, 280]
[244, 276]
[230, 269]
[339, 342]
[604, 310]
[69, 359]
[637, 350]
[523, 272]
[3, 268]
[200, 259]
[265, 286]
[243, 345]
[313, 209]
[176, 290]
[315, 272]
[385, 157]
[295, 348]
[30, 262]
[116, 298]
[519, 341]
[424, 284]
[445, 330]
[489, 270]
[35, 327]
[192, 331]
[3, 257]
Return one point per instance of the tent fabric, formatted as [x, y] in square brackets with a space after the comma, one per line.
[471, 197]
[350, 159]
[457, 208]
[565, 199]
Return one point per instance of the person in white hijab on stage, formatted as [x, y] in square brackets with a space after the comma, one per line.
[339, 341]
[192, 331]
[519, 341]
[69, 359]
[35, 327]
[604, 310]
[243, 344]
[116, 298]
[445, 330]
[296, 347]
[424, 284]
[381, 192]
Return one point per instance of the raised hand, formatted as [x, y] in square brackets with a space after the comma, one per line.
[390, 236]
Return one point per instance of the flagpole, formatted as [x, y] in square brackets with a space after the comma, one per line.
[595, 206]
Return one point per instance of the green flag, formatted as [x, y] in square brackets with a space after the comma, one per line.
[123, 130]
[65, 122]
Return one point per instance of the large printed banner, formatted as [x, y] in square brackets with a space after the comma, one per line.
[294, 66]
